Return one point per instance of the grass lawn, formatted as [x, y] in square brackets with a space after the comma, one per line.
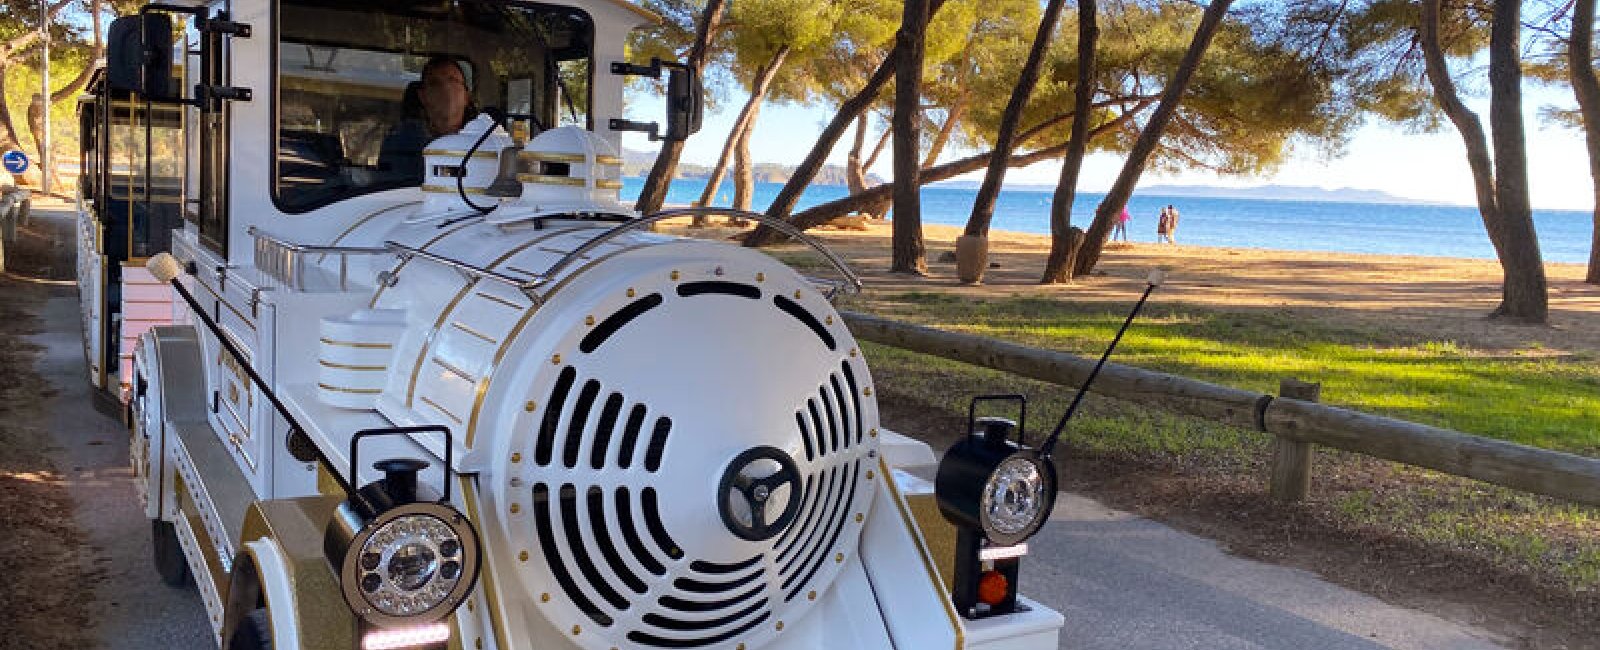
[1525, 396]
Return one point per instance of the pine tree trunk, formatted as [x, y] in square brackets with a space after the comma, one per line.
[942, 138]
[743, 172]
[855, 175]
[1056, 269]
[783, 205]
[909, 254]
[1587, 89]
[1116, 199]
[758, 94]
[1465, 121]
[819, 214]
[654, 192]
[8, 130]
[989, 192]
[1525, 293]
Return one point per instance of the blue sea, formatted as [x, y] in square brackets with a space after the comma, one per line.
[1389, 229]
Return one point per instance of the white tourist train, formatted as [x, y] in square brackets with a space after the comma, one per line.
[401, 371]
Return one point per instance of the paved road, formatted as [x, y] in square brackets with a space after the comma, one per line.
[131, 608]
[1123, 582]
[1128, 583]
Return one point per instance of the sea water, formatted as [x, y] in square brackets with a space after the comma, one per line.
[1389, 229]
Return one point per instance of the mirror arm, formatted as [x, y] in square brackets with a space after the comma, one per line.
[651, 129]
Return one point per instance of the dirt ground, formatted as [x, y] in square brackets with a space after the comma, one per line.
[1448, 297]
[42, 595]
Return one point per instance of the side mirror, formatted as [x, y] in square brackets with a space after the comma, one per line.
[139, 55]
[685, 100]
[685, 104]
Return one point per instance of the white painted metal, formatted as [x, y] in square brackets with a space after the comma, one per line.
[277, 585]
[473, 346]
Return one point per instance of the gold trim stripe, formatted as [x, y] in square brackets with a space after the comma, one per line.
[922, 551]
[455, 371]
[563, 157]
[440, 409]
[469, 497]
[353, 391]
[441, 189]
[498, 299]
[463, 327]
[545, 179]
[446, 152]
[407, 260]
[346, 366]
[468, 286]
[505, 346]
[351, 344]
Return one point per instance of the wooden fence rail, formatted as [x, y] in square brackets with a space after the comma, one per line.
[1540, 471]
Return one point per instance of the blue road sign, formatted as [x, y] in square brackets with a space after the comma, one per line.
[16, 162]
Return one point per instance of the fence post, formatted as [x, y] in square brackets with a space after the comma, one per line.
[1291, 460]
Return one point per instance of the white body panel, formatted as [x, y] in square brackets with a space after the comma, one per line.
[574, 383]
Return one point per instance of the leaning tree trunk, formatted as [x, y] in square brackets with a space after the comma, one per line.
[989, 192]
[855, 174]
[8, 131]
[1056, 270]
[743, 168]
[909, 254]
[758, 94]
[942, 138]
[1506, 214]
[819, 214]
[1525, 292]
[654, 192]
[1580, 59]
[1465, 121]
[1116, 199]
[783, 205]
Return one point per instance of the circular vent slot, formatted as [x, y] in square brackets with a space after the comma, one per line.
[598, 491]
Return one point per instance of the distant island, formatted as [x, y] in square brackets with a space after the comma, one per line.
[1263, 192]
[638, 163]
[1281, 193]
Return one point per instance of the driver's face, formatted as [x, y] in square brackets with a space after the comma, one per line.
[444, 98]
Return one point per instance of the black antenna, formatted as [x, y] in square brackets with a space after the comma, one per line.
[1153, 281]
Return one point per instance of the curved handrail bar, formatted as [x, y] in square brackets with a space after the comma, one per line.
[526, 286]
[852, 281]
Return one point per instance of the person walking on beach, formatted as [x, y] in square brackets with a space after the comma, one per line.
[1121, 231]
[1164, 226]
[1172, 225]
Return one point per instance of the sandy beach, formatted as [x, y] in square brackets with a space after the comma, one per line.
[1445, 298]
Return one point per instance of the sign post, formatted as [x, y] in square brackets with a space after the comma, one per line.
[44, 94]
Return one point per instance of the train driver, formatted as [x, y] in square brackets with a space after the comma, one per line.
[438, 104]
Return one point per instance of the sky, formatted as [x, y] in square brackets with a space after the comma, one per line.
[1424, 166]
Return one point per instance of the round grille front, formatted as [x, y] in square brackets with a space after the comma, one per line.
[696, 464]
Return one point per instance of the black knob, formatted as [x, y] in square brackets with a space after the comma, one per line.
[400, 478]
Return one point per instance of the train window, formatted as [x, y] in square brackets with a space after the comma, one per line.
[363, 86]
[143, 167]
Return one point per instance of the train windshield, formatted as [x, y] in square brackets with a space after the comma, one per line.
[362, 87]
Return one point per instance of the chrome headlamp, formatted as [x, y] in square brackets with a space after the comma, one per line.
[406, 557]
[990, 484]
[998, 492]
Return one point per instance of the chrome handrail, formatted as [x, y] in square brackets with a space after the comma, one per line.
[526, 286]
[851, 285]
[284, 260]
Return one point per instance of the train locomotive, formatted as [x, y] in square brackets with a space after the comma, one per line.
[469, 399]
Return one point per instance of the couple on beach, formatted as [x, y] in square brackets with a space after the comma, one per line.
[1166, 225]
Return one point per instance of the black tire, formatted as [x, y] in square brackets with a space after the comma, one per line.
[167, 554]
[254, 632]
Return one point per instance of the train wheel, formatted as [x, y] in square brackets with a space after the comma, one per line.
[168, 554]
[254, 632]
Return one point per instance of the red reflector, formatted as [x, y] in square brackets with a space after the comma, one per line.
[992, 588]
